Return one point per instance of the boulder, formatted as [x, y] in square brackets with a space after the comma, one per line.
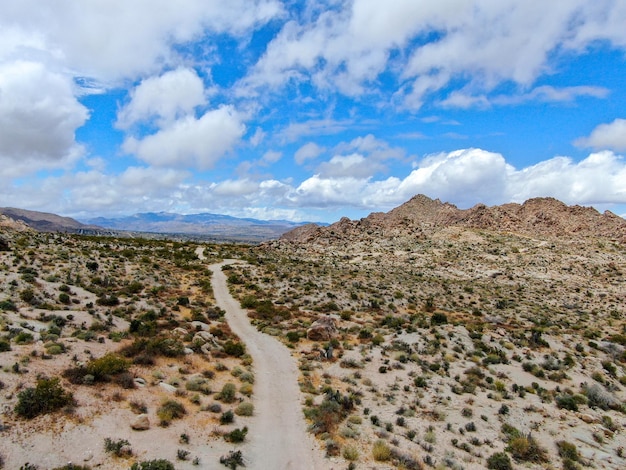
[322, 329]
[200, 326]
[140, 423]
[167, 387]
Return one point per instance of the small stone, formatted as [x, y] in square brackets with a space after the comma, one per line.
[587, 418]
[141, 423]
[167, 387]
[188, 351]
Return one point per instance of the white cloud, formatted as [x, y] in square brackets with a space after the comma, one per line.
[374, 148]
[308, 151]
[479, 44]
[191, 142]
[271, 156]
[119, 39]
[354, 165]
[543, 94]
[295, 131]
[606, 136]
[174, 94]
[38, 118]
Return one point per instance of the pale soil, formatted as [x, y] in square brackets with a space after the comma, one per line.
[277, 437]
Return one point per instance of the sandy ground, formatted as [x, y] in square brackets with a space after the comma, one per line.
[277, 437]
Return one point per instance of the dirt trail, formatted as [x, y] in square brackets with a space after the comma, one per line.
[277, 437]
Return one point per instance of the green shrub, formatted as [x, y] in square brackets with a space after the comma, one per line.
[169, 410]
[350, 453]
[158, 464]
[24, 337]
[527, 449]
[5, 345]
[499, 461]
[234, 349]
[71, 466]
[99, 370]
[438, 319]
[233, 460]
[8, 305]
[381, 451]
[47, 396]
[245, 409]
[568, 451]
[119, 447]
[236, 435]
[227, 417]
[228, 393]
[64, 298]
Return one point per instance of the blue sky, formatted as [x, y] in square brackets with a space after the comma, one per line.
[309, 110]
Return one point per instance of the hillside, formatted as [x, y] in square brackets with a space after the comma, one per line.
[422, 216]
[47, 222]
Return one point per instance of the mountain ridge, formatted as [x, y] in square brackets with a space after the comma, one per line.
[422, 216]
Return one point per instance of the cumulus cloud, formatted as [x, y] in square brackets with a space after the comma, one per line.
[190, 142]
[173, 94]
[139, 34]
[347, 48]
[308, 151]
[610, 136]
[354, 165]
[38, 118]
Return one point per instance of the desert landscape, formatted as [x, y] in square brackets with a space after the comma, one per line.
[425, 337]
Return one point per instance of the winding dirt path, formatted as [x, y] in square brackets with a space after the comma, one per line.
[277, 437]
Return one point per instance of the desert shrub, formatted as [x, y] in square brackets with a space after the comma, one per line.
[118, 447]
[569, 402]
[233, 460]
[64, 298]
[198, 384]
[325, 417]
[234, 349]
[597, 397]
[158, 464]
[228, 393]
[438, 319]
[293, 336]
[350, 453]
[23, 337]
[5, 345]
[8, 305]
[381, 451]
[47, 396]
[499, 461]
[170, 410]
[71, 466]
[227, 417]
[245, 409]
[158, 346]
[527, 449]
[182, 454]
[236, 435]
[246, 389]
[568, 451]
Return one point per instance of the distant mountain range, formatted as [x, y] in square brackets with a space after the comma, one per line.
[200, 225]
[197, 226]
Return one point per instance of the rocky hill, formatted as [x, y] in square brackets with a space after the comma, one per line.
[47, 222]
[422, 216]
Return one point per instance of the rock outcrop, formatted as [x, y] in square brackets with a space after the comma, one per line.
[323, 329]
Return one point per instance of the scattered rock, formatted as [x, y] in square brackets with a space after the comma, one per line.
[587, 418]
[179, 331]
[167, 387]
[140, 423]
[200, 326]
[322, 329]
[140, 382]
[188, 351]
